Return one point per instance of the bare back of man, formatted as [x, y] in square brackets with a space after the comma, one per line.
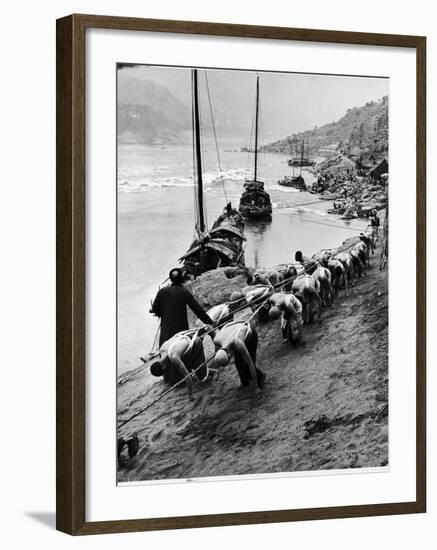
[338, 275]
[179, 356]
[239, 339]
[323, 276]
[346, 259]
[291, 321]
[306, 288]
[255, 296]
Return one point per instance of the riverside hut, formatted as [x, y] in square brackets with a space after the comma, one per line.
[376, 173]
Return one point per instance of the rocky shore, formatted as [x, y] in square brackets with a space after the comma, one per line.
[324, 405]
[353, 195]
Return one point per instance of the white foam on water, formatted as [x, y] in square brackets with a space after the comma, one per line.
[140, 186]
[210, 179]
[283, 189]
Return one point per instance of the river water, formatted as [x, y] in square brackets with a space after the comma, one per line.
[155, 224]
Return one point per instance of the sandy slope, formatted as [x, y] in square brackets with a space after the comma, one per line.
[318, 409]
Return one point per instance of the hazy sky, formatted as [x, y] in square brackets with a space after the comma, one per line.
[289, 102]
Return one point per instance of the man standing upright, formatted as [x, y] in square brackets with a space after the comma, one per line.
[374, 224]
[171, 304]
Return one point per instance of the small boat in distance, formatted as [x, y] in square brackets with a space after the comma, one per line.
[303, 160]
[297, 182]
[221, 246]
[255, 202]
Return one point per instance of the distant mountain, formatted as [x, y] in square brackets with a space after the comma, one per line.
[149, 113]
[361, 130]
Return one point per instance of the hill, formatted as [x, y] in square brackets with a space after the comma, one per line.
[361, 130]
[148, 113]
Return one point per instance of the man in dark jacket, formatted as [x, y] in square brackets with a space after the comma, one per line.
[171, 304]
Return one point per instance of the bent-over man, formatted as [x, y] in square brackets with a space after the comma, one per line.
[306, 288]
[291, 321]
[223, 313]
[309, 264]
[346, 259]
[363, 252]
[240, 339]
[357, 262]
[180, 355]
[323, 277]
[255, 296]
[171, 304]
[338, 275]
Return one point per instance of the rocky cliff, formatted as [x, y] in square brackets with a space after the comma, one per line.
[362, 130]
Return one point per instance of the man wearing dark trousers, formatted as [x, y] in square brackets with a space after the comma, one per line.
[171, 304]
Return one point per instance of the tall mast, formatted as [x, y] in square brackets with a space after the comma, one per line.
[198, 154]
[301, 156]
[256, 127]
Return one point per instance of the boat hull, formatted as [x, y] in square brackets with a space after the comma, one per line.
[255, 202]
[296, 182]
[298, 163]
[256, 214]
[221, 247]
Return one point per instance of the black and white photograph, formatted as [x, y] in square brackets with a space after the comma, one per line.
[252, 273]
[217, 272]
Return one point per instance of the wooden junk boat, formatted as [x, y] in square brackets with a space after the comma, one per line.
[303, 160]
[222, 245]
[255, 202]
[293, 181]
[297, 182]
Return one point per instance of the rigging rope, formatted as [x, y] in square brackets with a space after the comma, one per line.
[247, 305]
[166, 392]
[215, 137]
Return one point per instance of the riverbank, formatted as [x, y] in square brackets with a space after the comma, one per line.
[353, 195]
[357, 199]
[318, 411]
